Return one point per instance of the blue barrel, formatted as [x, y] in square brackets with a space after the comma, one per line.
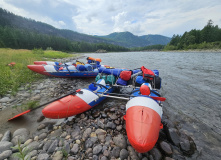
[156, 72]
[92, 87]
[88, 67]
[121, 82]
[116, 72]
[140, 80]
[81, 67]
[96, 70]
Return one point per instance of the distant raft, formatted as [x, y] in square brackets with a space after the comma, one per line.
[81, 71]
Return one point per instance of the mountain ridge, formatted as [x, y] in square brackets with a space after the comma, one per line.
[125, 39]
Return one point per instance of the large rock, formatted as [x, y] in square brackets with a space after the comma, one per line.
[76, 133]
[101, 134]
[21, 135]
[5, 154]
[5, 145]
[32, 146]
[97, 149]
[53, 146]
[58, 155]
[115, 152]
[120, 141]
[7, 136]
[90, 142]
[43, 156]
[123, 154]
[166, 148]
[156, 154]
[75, 149]
[173, 136]
[86, 134]
[132, 153]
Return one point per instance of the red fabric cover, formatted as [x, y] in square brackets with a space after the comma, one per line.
[125, 75]
[147, 71]
[145, 90]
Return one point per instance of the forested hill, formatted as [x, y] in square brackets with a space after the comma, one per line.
[16, 25]
[129, 40]
[207, 38]
[18, 22]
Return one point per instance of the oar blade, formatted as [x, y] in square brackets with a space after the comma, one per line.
[158, 98]
[20, 114]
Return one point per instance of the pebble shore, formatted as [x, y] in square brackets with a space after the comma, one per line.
[98, 134]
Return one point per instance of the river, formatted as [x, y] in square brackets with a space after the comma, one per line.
[191, 83]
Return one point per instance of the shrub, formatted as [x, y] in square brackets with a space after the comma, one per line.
[37, 51]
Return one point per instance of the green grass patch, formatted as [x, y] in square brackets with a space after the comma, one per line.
[13, 76]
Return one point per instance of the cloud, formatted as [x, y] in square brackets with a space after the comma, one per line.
[61, 23]
[102, 17]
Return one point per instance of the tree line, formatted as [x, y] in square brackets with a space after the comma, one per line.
[157, 47]
[208, 37]
[23, 39]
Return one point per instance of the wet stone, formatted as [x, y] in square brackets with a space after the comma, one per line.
[110, 125]
[104, 158]
[41, 126]
[53, 146]
[103, 115]
[97, 149]
[185, 146]
[75, 149]
[173, 136]
[76, 133]
[58, 155]
[90, 142]
[120, 141]
[115, 152]
[124, 154]
[5, 154]
[106, 153]
[132, 153]
[5, 145]
[156, 154]
[6, 136]
[112, 116]
[21, 134]
[166, 148]
[96, 114]
[43, 156]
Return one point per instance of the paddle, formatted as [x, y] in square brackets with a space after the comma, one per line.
[20, 114]
[117, 94]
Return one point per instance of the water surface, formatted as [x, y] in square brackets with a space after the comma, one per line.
[191, 82]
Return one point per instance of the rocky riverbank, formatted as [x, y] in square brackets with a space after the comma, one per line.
[96, 134]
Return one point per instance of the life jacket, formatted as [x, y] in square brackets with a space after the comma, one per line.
[147, 73]
[94, 59]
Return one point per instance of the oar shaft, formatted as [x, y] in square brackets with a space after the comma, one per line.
[52, 101]
[103, 95]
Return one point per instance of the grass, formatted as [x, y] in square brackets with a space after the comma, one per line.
[12, 77]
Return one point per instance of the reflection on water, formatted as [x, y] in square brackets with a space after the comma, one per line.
[192, 85]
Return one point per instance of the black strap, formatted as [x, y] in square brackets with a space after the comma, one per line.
[67, 67]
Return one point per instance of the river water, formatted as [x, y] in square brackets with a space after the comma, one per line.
[191, 82]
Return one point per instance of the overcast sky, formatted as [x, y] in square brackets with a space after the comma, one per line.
[102, 17]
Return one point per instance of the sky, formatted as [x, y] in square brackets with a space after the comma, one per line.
[102, 17]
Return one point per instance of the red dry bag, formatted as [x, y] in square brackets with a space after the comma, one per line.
[125, 75]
